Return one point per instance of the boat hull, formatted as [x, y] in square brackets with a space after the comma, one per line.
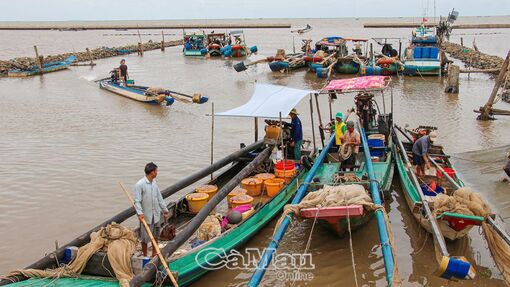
[46, 68]
[190, 267]
[413, 201]
[128, 92]
[424, 68]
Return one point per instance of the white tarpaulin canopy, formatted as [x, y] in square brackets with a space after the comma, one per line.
[268, 101]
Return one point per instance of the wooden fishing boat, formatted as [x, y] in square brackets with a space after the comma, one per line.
[374, 130]
[215, 42]
[332, 55]
[384, 66]
[192, 260]
[237, 47]
[325, 167]
[422, 57]
[194, 44]
[46, 68]
[149, 95]
[452, 225]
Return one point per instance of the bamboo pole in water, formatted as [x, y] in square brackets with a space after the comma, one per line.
[162, 41]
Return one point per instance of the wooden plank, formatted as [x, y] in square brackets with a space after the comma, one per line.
[334, 211]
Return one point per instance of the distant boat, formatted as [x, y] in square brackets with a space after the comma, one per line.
[46, 68]
[307, 28]
[194, 44]
[422, 56]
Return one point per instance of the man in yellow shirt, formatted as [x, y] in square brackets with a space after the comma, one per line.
[339, 127]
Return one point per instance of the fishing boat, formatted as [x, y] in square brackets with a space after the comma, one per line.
[332, 55]
[303, 30]
[446, 208]
[422, 56]
[216, 41]
[194, 44]
[351, 181]
[237, 47]
[189, 256]
[452, 225]
[324, 171]
[46, 68]
[149, 95]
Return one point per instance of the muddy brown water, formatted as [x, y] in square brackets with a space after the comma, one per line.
[65, 144]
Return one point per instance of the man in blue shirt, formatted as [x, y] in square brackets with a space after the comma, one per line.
[421, 152]
[296, 134]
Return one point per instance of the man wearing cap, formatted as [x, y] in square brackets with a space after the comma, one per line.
[421, 153]
[353, 138]
[338, 127]
[296, 134]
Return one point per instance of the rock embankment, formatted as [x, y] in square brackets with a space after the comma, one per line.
[26, 63]
[471, 57]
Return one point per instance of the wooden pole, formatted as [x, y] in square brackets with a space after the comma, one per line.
[321, 132]
[462, 41]
[452, 82]
[140, 44]
[162, 41]
[256, 129]
[486, 110]
[38, 61]
[313, 126]
[90, 56]
[153, 241]
[212, 137]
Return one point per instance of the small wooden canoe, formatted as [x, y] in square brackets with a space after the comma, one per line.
[46, 68]
[452, 225]
[137, 93]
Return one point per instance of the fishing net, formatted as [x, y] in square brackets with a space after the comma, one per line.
[209, 229]
[465, 201]
[118, 242]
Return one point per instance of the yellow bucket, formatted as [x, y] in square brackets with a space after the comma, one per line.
[196, 201]
[264, 177]
[273, 132]
[288, 174]
[208, 189]
[241, 199]
[236, 191]
[252, 185]
[273, 186]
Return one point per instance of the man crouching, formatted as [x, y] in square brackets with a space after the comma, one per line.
[149, 204]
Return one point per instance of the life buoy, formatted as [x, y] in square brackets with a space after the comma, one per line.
[314, 59]
[237, 47]
[383, 61]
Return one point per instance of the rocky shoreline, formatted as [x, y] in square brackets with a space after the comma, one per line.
[26, 63]
[472, 58]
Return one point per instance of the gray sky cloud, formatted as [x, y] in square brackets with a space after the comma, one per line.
[55, 10]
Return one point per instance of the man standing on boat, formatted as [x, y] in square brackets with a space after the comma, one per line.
[123, 68]
[296, 134]
[339, 127]
[421, 153]
[149, 205]
[352, 138]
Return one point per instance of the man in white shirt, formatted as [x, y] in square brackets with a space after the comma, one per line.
[149, 204]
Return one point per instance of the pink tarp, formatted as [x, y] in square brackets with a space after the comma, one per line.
[358, 83]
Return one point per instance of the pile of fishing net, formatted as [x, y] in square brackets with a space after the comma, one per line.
[328, 196]
[118, 242]
[465, 201]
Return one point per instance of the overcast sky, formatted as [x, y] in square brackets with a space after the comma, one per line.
[56, 10]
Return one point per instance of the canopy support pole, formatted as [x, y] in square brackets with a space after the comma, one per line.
[256, 129]
[313, 126]
[321, 132]
[212, 137]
